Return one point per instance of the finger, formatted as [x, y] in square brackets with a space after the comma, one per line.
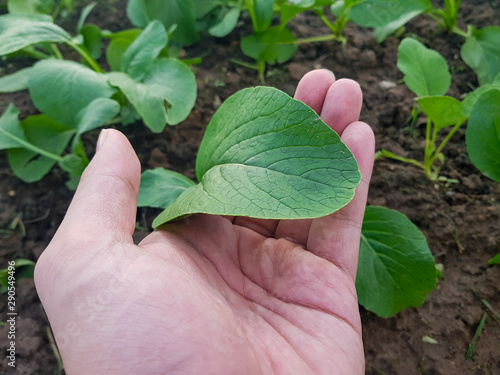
[311, 90]
[313, 87]
[342, 106]
[106, 199]
[336, 237]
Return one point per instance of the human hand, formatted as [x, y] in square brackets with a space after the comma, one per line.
[208, 294]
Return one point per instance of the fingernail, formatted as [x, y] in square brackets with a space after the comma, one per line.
[329, 71]
[102, 138]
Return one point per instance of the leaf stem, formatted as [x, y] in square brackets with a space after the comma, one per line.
[35, 54]
[262, 68]
[458, 31]
[245, 64]
[56, 51]
[321, 38]
[390, 155]
[444, 142]
[86, 56]
[32, 147]
[428, 147]
[251, 10]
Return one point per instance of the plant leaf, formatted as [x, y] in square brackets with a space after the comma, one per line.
[226, 24]
[167, 80]
[481, 52]
[30, 6]
[17, 32]
[16, 81]
[168, 12]
[44, 133]
[92, 40]
[396, 268]
[61, 89]
[144, 50]
[483, 134]
[263, 14]
[94, 115]
[471, 99]
[443, 111]
[426, 71]
[386, 16]
[160, 187]
[266, 155]
[494, 260]
[12, 134]
[83, 16]
[24, 269]
[270, 46]
[119, 44]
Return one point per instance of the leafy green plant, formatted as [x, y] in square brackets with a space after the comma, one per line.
[75, 97]
[266, 155]
[277, 44]
[40, 7]
[426, 74]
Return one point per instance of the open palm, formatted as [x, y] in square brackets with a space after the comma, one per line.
[208, 294]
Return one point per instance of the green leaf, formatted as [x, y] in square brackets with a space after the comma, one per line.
[83, 16]
[203, 7]
[483, 135]
[46, 134]
[263, 14]
[388, 15]
[16, 81]
[266, 155]
[167, 80]
[425, 70]
[61, 89]
[481, 52]
[17, 32]
[119, 44]
[289, 9]
[73, 164]
[443, 111]
[226, 24]
[95, 114]
[494, 260]
[24, 269]
[471, 99]
[92, 40]
[30, 6]
[160, 187]
[144, 50]
[11, 132]
[168, 12]
[271, 46]
[396, 269]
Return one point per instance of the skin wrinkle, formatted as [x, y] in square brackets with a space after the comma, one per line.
[301, 304]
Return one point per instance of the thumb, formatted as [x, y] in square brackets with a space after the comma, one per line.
[105, 202]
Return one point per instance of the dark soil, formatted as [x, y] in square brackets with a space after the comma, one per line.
[460, 220]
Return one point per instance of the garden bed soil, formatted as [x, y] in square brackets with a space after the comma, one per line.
[460, 220]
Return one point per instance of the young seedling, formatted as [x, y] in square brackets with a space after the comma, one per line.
[426, 74]
[77, 97]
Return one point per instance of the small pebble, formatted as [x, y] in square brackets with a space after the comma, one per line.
[386, 85]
